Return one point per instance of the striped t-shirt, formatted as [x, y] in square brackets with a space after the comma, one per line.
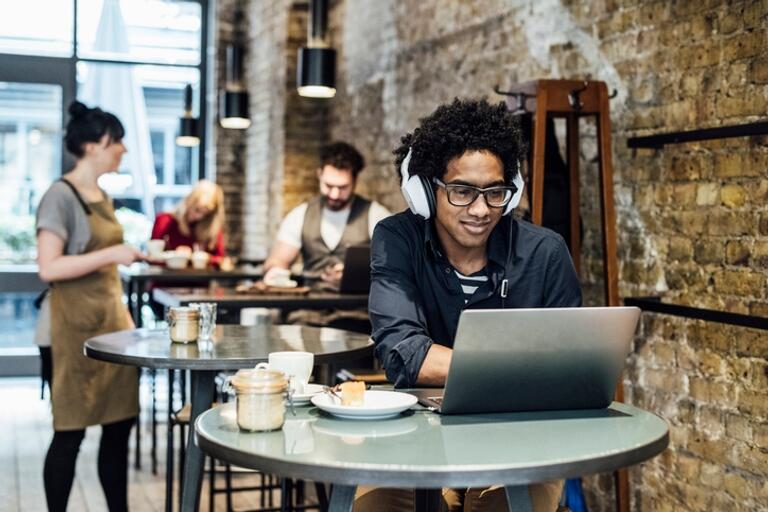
[470, 284]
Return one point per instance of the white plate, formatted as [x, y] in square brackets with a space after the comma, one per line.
[376, 405]
[310, 390]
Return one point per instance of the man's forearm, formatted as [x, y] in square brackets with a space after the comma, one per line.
[434, 370]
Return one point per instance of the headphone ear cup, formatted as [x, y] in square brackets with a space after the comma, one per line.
[520, 184]
[417, 196]
[429, 193]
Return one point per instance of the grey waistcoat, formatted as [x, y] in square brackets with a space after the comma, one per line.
[314, 252]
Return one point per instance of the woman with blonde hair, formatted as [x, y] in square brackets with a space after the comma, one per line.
[197, 221]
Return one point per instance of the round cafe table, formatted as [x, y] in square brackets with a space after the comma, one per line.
[233, 347]
[424, 450]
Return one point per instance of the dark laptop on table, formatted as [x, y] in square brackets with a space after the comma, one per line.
[508, 360]
[356, 277]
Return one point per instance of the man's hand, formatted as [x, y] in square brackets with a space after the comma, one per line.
[332, 274]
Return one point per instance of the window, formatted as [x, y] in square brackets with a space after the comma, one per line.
[130, 57]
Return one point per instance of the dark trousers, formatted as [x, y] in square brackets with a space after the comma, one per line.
[59, 470]
[46, 369]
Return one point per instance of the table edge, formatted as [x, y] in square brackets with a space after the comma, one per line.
[396, 476]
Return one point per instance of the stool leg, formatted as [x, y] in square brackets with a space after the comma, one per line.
[211, 484]
[228, 479]
[137, 461]
[169, 449]
[153, 408]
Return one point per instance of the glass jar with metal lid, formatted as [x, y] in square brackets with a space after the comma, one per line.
[260, 399]
[183, 324]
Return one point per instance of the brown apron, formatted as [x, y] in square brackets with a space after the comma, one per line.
[86, 391]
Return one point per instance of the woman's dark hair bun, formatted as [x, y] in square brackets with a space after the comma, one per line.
[90, 125]
[77, 109]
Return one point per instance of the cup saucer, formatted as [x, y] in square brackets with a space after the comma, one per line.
[310, 390]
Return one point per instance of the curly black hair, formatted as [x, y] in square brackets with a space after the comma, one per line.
[464, 125]
[342, 156]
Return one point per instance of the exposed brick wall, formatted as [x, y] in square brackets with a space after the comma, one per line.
[692, 218]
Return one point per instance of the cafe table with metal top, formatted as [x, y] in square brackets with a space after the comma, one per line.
[233, 347]
[229, 301]
[424, 450]
[137, 277]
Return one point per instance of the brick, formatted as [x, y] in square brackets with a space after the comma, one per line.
[760, 255]
[737, 252]
[709, 250]
[763, 224]
[758, 70]
[733, 196]
[680, 249]
[740, 282]
[728, 165]
[726, 223]
[707, 391]
[744, 45]
[754, 403]
[707, 194]
[742, 487]
[712, 475]
[710, 364]
[738, 427]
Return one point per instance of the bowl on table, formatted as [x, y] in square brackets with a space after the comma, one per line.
[200, 259]
[176, 260]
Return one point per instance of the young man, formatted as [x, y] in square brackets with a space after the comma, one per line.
[461, 249]
[322, 228]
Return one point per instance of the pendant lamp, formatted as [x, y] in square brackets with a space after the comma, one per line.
[233, 100]
[189, 126]
[316, 72]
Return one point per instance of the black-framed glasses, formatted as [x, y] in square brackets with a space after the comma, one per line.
[464, 195]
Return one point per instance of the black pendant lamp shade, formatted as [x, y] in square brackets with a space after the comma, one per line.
[233, 101]
[189, 126]
[316, 71]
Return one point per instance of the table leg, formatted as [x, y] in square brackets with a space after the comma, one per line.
[427, 500]
[202, 397]
[518, 498]
[342, 498]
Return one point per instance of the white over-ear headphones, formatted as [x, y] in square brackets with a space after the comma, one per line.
[420, 195]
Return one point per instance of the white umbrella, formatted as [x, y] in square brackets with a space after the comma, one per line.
[114, 88]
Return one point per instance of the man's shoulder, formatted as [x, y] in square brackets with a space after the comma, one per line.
[404, 224]
[534, 236]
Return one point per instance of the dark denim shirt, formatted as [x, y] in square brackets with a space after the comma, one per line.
[416, 297]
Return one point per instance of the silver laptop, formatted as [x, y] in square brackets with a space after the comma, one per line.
[507, 360]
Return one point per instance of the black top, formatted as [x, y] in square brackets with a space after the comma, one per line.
[416, 297]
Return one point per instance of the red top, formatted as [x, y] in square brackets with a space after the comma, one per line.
[167, 228]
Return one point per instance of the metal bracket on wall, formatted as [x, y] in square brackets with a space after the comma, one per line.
[721, 132]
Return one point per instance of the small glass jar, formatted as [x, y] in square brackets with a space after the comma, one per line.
[260, 399]
[183, 324]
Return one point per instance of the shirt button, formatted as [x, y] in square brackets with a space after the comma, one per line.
[447, 270]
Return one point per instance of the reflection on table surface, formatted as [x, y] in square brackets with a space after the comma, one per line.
[232, 344]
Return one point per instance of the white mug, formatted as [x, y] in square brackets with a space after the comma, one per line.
[155, 248]
[297, 366]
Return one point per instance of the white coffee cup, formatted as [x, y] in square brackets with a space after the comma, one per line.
[200, 259]
[296, 365]
[155, 248]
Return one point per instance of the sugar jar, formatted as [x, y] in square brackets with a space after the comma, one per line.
[183, 324]
[260, 399]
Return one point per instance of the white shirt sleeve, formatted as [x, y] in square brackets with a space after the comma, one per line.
[376, 213]
[290, 228]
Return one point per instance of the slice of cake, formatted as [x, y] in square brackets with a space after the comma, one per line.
[353, 393]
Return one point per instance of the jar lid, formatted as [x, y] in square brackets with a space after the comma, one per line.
[184, 312]
[259, 381]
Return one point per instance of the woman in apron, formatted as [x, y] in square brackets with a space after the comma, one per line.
[79, 245]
